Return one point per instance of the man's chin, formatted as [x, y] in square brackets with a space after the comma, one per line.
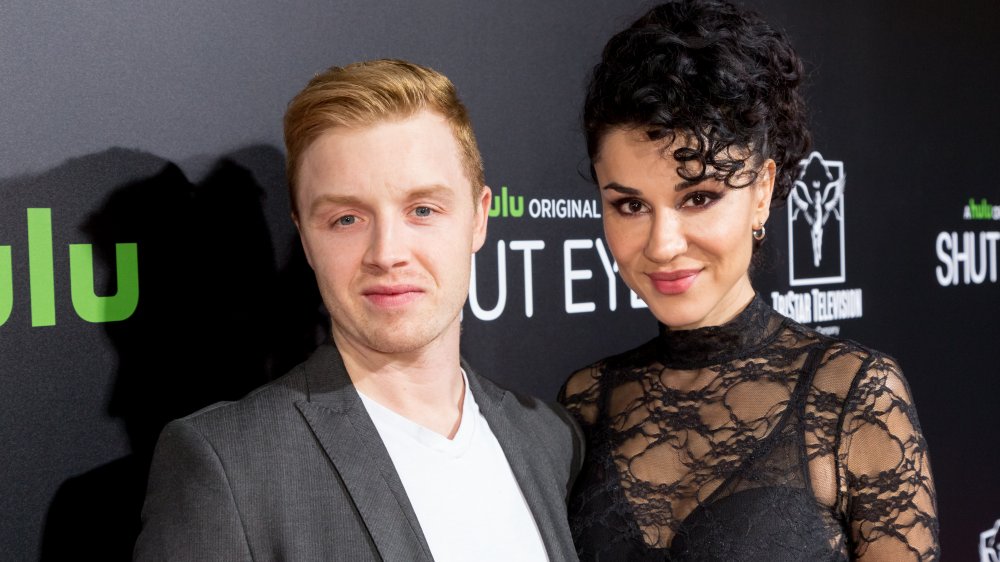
[397, 345]
[399, 339]
[403, 333]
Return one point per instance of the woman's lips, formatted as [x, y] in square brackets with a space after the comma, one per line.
[674, 282]
[388, 296]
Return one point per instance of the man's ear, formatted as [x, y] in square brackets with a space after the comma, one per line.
[302, 240]
[479, 221]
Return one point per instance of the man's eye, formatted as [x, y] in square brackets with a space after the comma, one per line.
[347, 220]
[423, 211]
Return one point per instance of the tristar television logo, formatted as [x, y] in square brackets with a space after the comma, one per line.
[816, 248]
[816, 223]
[989, 546]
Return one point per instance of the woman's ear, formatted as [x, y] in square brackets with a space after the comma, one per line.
[764, 189]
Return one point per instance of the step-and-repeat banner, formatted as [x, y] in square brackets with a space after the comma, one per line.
[148, 266]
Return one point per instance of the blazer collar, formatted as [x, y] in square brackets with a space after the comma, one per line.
[341, 424]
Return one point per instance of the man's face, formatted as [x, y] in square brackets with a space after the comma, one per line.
[388, 224]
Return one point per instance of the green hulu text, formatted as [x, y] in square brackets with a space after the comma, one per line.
[41, 271]
[504, 205]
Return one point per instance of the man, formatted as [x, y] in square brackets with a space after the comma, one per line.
[383, 445]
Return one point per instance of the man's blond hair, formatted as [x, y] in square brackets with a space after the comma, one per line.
[366, 93]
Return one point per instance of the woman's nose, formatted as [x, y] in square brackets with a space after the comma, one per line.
[666, 240]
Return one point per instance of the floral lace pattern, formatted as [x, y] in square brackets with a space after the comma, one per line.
[757, 439]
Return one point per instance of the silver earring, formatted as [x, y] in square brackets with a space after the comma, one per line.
[759, 232]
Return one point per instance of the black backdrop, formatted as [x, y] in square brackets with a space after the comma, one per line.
[158, 125]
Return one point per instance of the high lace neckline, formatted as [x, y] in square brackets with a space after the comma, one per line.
[752, 328]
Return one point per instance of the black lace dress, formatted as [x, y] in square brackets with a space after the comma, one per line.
[756, 440]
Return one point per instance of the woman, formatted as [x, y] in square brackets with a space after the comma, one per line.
[736, 434]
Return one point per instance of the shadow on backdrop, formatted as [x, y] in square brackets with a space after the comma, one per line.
[216, 318]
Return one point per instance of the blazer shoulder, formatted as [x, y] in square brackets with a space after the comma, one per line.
[267, 404]
[549, 422]
[521, 404]
[546, 413]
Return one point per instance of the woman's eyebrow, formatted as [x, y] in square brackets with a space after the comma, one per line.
[615, 186]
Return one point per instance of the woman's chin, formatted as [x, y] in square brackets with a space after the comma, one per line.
[679, 315]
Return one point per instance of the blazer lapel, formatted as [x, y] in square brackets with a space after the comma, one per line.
[530, 462]
[342, 425]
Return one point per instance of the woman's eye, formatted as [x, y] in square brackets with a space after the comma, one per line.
[347, 220]
[423, 211]
[700, 199]
[630, 206]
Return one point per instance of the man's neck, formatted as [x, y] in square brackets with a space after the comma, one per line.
[424, 385]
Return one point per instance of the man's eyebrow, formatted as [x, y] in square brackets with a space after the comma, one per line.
[425, 191]
[330, 199]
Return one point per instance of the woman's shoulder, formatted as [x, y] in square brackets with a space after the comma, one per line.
[849, 368]
[582, 389]
[637, 357]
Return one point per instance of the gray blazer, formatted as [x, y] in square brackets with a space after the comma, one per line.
[296, 471]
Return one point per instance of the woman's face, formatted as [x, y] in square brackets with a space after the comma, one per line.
[685, 249]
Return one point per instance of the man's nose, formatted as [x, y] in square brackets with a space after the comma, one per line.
[387, 247]
[666, 238]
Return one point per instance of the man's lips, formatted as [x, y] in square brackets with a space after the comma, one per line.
[673, 282]
[392, 295]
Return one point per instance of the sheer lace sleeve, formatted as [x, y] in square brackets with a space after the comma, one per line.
[579, 395]
[889, 495]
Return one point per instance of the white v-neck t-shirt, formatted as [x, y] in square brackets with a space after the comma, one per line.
[462, 490]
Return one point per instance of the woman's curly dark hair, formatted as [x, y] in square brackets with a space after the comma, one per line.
[706, 72]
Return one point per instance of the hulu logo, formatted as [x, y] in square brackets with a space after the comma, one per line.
[41, 271]
[506, 206]
[981, 211]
